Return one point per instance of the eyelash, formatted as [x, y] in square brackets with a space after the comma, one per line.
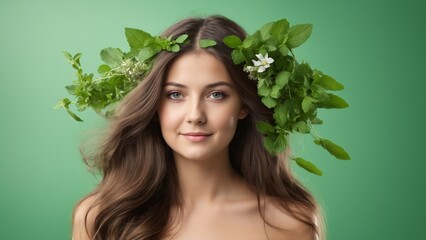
[169, 95]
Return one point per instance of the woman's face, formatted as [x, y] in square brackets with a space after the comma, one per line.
[199, 108]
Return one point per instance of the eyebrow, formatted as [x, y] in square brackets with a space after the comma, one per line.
[212, 85]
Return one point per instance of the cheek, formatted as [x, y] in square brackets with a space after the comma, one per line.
[165, 116]
[225, 119]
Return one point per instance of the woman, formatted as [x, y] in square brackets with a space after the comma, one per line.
[183, 158]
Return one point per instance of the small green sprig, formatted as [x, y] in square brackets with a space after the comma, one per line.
[293, 90]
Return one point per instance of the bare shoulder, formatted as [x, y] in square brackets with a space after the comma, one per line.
[289, 227]
[83, 218]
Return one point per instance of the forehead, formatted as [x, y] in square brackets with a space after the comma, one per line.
[198, 68]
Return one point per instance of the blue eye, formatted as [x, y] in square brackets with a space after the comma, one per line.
[174, 95]
[217, 95]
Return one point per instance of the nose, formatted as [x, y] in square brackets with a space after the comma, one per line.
[196, 112]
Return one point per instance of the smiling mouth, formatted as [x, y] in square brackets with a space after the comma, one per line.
[196, 137]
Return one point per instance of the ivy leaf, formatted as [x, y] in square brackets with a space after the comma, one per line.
[333, 101]
[181, 38]
[205, 43]
[232, 41]
[264, 127]
[308, 166]
[332, 148]
[269, 102]
[298, 34]
[136, 37]
[327, 82]
[112, 56]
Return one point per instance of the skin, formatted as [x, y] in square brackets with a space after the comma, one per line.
[217, 204]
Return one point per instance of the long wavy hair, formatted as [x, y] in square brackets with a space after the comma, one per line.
[139, 178]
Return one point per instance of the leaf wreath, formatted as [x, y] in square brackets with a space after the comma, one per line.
[293, 90]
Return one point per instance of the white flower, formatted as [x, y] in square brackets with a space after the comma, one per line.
[249, 68]
[263, 62]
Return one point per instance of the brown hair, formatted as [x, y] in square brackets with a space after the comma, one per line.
[139, 179]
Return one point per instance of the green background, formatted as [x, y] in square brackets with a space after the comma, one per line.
[375, 48]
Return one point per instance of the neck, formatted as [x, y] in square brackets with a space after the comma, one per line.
[206, 181]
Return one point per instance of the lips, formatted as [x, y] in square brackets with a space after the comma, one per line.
[196, 136]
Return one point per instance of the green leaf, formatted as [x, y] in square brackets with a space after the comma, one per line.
[308, 166]
[269, 102]
[71, 89]
[269, 144]
[265, 31]
[237, 56]
[275, 91]
[112, 56]
[327, 82]
[136, 37]
[181, 38]
[146, 53]
[284, 50]
[263, 90]
[248, 42]
[205, 43]
[63, 103]
[68, 55]
[316, 121]
[264, 127]
[281, 114]
[280, 143]
[103, 69]
[73, 115]
[279, 29]
[298, 34]
[307, 103]
[282, 78]
[301, 127]
[332, 148]
[175, 48]
[334, 101]
[271, 48]
[232, 41]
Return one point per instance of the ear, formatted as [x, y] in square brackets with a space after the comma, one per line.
[243, 112]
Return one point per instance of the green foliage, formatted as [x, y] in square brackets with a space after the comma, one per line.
[119, 75]
[308, 166]
[205, 43]
[293, 90]
[333, 148]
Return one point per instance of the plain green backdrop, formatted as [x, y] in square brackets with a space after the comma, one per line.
[375, 48]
